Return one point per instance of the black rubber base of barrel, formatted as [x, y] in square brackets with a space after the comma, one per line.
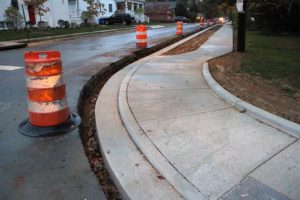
[26, 128]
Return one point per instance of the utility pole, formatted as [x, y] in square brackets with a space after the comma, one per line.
[27, 32]
[241, 40]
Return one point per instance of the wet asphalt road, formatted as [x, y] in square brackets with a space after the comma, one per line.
[56, 168]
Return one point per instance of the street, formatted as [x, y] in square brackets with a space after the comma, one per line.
[178, 99]
[81, 58]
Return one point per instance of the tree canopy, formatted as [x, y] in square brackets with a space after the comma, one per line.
[13, 15]
[276, 16]
[273, 16]
[38, 6]
[94, 7]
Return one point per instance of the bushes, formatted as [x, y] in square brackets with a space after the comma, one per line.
[13, 15]
[275, 17]
[63, 23]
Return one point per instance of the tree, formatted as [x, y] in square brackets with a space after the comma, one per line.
[11, 14]
[181, 8]
[193, 9]
[38, 6]
[216, 8]
[85, 16]
[277, 16]
[139, 11]
[93, 8]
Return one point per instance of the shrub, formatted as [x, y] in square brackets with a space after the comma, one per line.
[63, 23]
[60, 23]
[66, 24]
[12, 15]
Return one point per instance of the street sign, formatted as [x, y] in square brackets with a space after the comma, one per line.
[240, 5]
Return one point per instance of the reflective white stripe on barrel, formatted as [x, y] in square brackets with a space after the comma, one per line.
[44, 82]
[47, 107]
[141, 40]
[141, 33]
[37, 67]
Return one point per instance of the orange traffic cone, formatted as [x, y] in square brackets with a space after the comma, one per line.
[48, 109]
[141, 36]
[179, 30]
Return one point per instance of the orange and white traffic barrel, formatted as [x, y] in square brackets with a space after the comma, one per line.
[141, 36]
[179, 30]
[48, 109]
[202, 24]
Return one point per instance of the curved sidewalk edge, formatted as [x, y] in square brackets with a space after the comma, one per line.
[187, 189]
[152, 153]
[282, 124]
[134, 175]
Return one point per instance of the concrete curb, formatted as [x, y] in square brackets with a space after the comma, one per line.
[15, 45]
[170, 173]
[153, 155]
[134, 177]
[282, 124]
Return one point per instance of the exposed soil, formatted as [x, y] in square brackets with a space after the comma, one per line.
[194, 43]
[86, 109]
[279, 100]
[88, 133]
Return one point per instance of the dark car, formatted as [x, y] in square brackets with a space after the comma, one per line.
[181, 18]
[117, 18]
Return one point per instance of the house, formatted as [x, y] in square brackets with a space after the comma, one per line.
[131, 7]
[70, 10]
[160, 10]
[108, 8]
[55, 10]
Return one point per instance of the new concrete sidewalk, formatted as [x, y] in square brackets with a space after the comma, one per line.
[196, 145]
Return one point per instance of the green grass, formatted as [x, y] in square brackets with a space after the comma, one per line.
[36, 33]
[276, 58]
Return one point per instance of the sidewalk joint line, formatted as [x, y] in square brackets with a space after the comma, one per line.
[270, 158]
[188, 115]
[126, 95]
[163, 89]
[152, 142]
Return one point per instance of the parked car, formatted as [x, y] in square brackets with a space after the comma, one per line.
[102, 20]
[210, 22]
[203, 25]
[181, 18]
[117, 18]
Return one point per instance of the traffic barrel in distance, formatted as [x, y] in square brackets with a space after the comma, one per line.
[179, 30]
[202, 24]
[141, 36]
[48, 110]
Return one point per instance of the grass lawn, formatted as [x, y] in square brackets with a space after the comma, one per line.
[276, 58]
[35, 33]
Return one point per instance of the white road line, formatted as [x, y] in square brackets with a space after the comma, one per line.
[156, 26]
[9, 68]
